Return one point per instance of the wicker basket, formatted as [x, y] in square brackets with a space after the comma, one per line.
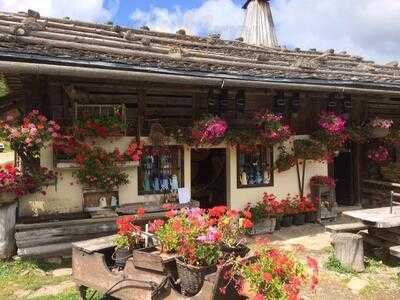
[240, 250]
[191, 277]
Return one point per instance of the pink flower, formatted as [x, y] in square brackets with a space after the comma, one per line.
[9, 118]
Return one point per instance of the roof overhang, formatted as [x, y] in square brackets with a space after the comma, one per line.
[16, 63]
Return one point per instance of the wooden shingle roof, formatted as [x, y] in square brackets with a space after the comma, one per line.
[26, 35]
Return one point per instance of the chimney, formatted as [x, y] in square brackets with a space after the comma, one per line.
[258, 27]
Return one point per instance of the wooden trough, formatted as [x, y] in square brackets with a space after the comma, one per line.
[149, 274]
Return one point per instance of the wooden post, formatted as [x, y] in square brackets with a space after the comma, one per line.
[349, 250]
[7, 228]
[141, 112]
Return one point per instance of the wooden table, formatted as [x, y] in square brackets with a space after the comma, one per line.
[383, 227]
[377, 217]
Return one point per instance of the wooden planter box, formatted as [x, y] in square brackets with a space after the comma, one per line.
[265, 226]
[327, 206]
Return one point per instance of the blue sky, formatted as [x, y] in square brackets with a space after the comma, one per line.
[368, 28]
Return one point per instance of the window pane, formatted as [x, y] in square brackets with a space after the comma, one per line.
[255, 168]
[161, 171]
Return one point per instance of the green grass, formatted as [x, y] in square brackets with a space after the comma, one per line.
[26, 275]
[70, 295]
[32, 275]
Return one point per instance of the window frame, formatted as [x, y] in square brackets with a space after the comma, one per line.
[141, 192]
[238, 173]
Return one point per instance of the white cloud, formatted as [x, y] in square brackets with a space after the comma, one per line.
[86, 10]
[367, 27]
[213, 16]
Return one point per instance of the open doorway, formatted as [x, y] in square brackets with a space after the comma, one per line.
[208, 173]
[343, 175]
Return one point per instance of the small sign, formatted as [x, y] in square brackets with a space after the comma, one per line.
[183, 196]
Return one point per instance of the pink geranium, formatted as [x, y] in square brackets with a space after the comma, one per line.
[379, 154]
[382, 123]
[332, 123]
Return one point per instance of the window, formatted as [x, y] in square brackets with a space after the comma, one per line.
[161, 172]
[255, 169]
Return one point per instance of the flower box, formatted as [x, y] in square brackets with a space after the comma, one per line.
[264, 226]
[327, 207]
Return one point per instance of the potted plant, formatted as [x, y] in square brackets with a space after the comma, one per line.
[198, 257]
[302, 203]
[271, 128]
[379, 154]
[208, 131]
[263, 223]
[285, 161]
[309, 149]
[128, 238]
[272, 274]
[310, 209]
[323, 194]
[27, 137]
[274, 208]
[231, 227]
[379, 128]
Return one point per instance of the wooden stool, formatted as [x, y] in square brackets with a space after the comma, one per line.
[349, 250]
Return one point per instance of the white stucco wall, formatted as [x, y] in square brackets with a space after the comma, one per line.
[284, 183]
[66, 195]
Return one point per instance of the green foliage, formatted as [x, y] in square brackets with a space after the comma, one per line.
[121, 242]
[207, 255]
[258, 212]
[101, 170]
[169, 238]
[333, 264]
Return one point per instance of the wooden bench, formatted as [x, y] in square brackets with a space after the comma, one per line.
[395, 251]
[348, 227]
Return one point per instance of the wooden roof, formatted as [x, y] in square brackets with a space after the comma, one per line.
[28, 36]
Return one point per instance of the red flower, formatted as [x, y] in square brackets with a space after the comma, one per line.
[156, 225]
[267, 277]
[170, 214]
[217, 211]
[247, 224]
[247, 214]
[140, 211]
[258, 297]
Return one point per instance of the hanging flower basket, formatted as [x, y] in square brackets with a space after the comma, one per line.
[208, 131]
[378, 132]
[380, 128]
[192, 277]
[271, 128]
